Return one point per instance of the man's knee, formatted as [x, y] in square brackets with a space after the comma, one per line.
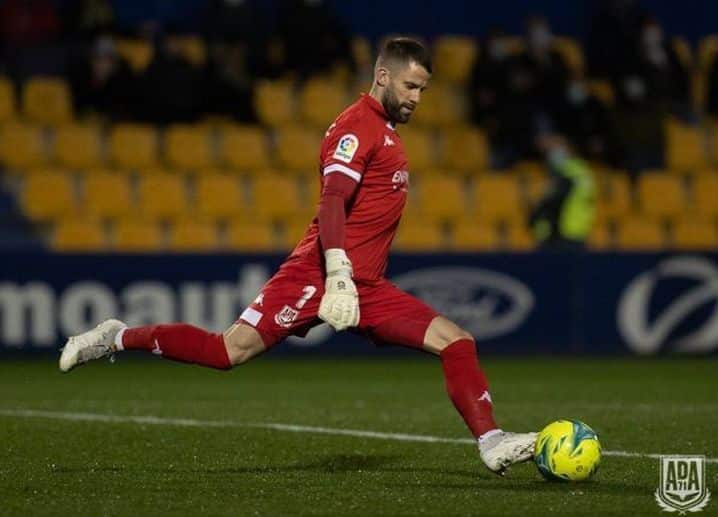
[242, 343]
[443, 332]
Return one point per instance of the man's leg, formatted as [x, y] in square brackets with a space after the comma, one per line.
[176, 341]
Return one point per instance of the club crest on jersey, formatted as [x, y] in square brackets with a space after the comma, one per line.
[346, 148]
[400, 181]
[286, 316]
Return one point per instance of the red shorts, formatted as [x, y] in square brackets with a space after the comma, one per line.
[288, 304]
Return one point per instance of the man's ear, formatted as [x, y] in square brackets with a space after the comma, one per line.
[382, 76]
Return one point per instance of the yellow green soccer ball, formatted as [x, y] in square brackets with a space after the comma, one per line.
[567, 450]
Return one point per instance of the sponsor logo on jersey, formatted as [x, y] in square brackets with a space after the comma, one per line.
[388, 142]
[400, 181]
[286, 316]
[486, 303]
[346, 148]
[688, 322]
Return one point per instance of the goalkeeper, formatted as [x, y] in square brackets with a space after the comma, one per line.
[336, 272]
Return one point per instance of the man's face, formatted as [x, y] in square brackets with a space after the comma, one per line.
[403, 91]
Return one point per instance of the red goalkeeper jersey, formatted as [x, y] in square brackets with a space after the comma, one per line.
[363, 144]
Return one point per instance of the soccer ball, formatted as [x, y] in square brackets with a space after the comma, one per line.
[567, 450]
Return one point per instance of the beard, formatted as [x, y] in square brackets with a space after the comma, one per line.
[398, 112]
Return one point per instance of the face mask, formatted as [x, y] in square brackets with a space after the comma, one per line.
[576, 93]
[540, 37]
[635, 88]
[652, 36]
[557, 156]
[498, 50]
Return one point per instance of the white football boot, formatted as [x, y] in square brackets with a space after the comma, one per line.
[503, 449]
[93, 344]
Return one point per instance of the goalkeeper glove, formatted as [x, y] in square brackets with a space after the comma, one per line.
[340, 304]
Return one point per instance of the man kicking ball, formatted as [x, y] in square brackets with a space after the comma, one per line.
[336, 272]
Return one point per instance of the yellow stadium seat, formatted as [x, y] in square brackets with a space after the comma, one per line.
[615, 198]
[464, 149]
[192, 48]
[298, 149]
[244, 148]
[453, 58]
[685, 147]
[600, 237]
[635, 233]
[275, 197]
[274, 102]
[78, 147]
[441, 105]
[107, 195]
[707, 50]
[419, 147]
[187, 147]
[660, 195]
[47, 100]
[442, 198]
[519, 237]
[293, 233]
[705, 193]
[7, 100]
[320, 101]
[137, 235]
[162, 196]
[48, 196]
[362, 52]
[75, 235]
[695, 234]
[138, 53]
[22, 146]
[193, 236]
[475, 237]
[219, 196]
[571, 52]
[498, 198]
[683, 50]
[133, 146]
[423, 237]
[535, 186]
[244, 236]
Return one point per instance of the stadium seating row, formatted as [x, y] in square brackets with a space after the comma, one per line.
[192, 148]
[136, 235]
[490, 198]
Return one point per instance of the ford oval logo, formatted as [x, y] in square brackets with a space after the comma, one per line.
[486, 303]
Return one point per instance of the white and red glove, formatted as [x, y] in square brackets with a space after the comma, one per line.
[340, 304]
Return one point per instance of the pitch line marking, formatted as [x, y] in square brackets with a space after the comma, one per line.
[190, 422]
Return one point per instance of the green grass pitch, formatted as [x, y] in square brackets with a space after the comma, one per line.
[211, 449]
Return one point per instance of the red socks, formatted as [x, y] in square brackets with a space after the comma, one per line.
[179, 342]
[467, 386]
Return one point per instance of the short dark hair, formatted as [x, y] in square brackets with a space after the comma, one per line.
[405, 50]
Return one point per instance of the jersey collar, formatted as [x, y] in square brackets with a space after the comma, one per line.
[378, 108]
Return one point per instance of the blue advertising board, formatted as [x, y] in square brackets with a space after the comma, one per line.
[534, 303]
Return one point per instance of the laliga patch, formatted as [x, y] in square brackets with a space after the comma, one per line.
[346, 148]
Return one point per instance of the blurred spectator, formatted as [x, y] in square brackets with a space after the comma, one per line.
[315, 39]
[535, 81]
[587, 122]
[657, 62]
[102, 82]
[489, 79]
[639, 126]
[229, 83]
[712, 94]
[171, 89]
[86, 19]
[612, 36]
[563, 217]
